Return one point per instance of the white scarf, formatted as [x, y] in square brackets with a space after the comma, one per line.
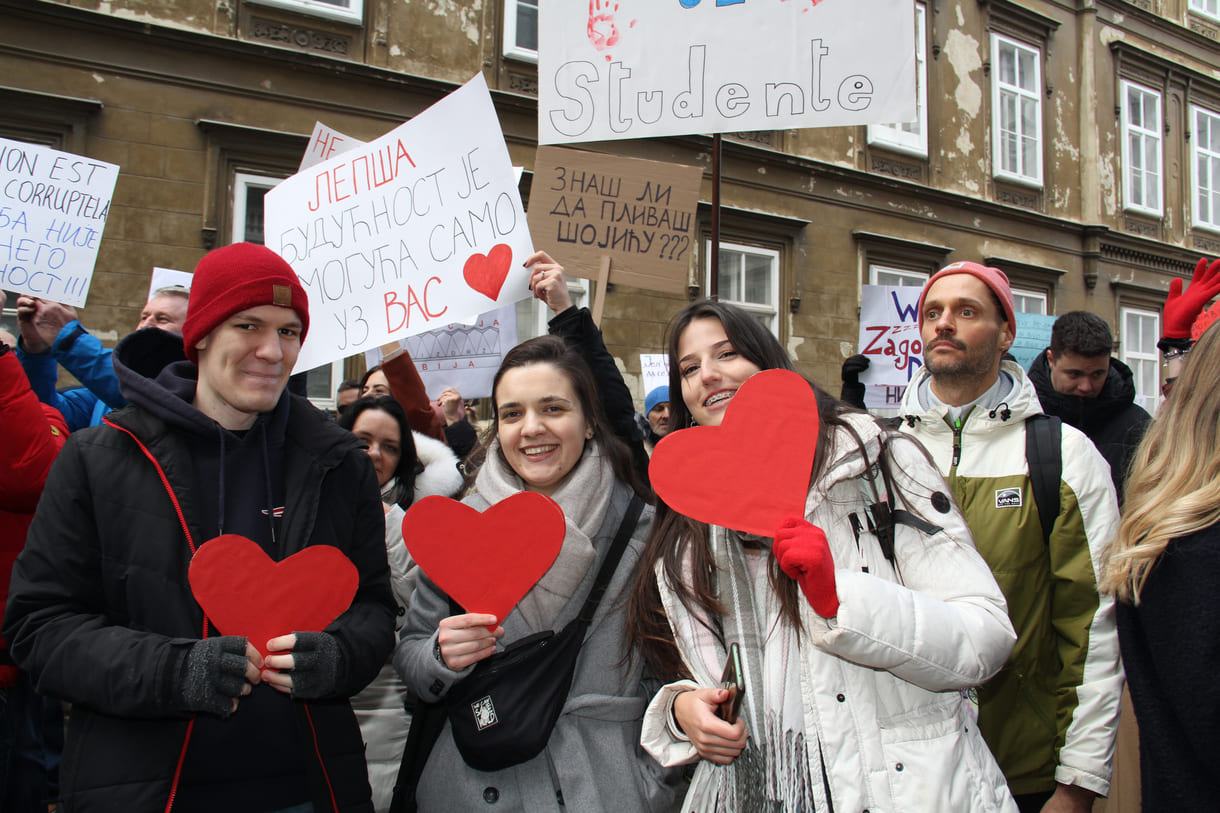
[583, 495]
[773, 772]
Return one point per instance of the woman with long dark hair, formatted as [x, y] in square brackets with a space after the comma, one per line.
[857, 625]
[549, 435]
[382, 425]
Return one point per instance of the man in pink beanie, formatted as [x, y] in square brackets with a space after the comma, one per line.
[166, 708]
[1051, 715]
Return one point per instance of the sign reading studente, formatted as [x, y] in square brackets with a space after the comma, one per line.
[640, 214]
[889, 338]
[419, 228]
[53, 208]
[647, 68]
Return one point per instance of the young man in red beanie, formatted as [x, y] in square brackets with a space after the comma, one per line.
[167, 712]
[1051, 715]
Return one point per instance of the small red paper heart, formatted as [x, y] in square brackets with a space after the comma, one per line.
[486, 273]
[485, 562]
[245, 593]
[753, 470]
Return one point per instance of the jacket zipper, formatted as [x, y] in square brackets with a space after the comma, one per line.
[190, 541]
[956, 426]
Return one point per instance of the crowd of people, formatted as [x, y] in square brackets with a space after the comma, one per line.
[945, 626]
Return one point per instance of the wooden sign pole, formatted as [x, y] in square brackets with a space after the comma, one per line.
[599, 302]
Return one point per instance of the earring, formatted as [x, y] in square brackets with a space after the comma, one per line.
[588, 434]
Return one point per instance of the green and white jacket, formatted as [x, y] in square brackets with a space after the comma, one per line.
[1051, 714]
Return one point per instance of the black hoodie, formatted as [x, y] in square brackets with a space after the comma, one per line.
[1112, 420]
[101, 613]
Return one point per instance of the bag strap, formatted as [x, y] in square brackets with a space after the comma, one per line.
[625, 528]
[1044, 456]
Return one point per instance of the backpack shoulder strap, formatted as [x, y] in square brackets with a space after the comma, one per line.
[1044, 456]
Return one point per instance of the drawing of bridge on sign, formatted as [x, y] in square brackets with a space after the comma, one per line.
[458, 347]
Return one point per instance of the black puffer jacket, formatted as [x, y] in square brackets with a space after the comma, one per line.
[1112, 420]
[101, 612]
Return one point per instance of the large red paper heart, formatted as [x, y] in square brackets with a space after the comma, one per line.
[753, 470]
[485, 562]
[245, 593]
[486, 273]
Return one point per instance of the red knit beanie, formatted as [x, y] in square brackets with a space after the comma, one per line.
[234, 278]
[993, 278]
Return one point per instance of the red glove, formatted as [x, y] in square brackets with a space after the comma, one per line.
[804, 554]
[1181, 309]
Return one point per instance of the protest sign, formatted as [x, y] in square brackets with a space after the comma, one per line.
[459, 355]
[647, 68]
[325, 143]
[654, 370]
[588, 206]
[889, 338]
[414, 230]
[166, 277]
[1033, 336]
[53, 208]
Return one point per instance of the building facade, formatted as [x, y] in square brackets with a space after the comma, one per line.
[1074, 145]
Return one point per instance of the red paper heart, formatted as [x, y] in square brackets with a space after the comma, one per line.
[485, 562]
[244, 593]
[753, 470]
[486, 273]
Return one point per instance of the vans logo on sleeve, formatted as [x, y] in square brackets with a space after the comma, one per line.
[1008, 498]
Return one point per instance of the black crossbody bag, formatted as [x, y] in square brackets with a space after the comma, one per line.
[502, 713]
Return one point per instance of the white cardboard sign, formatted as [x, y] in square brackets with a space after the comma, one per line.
[646, 68]
[324, 143]
[419, 228]
[889, 337]
[53, 208]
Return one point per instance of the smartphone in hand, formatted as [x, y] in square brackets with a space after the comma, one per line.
[734, 681]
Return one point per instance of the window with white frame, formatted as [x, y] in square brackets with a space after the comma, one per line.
[883, 275]
[1210, 8]
[248, 193]
[1137, 346]
[1026, 300]
[1205, 182]
[348, 11]
[912, 136]
[1141, 148]
[249, 190]
[1016, 73]
[533, 314]
[521, 29]
[749, 278]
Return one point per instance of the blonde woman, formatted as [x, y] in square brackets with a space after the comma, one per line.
[1164, 569]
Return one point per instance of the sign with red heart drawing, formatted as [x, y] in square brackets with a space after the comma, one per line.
[487, 561]
[752, 471]
[243, 592]
[417, 229]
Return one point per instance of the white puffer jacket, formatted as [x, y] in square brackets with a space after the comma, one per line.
[880, 683]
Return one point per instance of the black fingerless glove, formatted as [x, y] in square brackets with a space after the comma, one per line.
[315, 665]
[213, 674]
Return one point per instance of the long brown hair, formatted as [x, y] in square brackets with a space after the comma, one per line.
[555, 351]
[1173, 488]
[676, 539]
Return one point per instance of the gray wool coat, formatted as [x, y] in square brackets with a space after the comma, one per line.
[593, 760]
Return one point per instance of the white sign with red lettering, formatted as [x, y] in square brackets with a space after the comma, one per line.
[325, 143]
[419, 228]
